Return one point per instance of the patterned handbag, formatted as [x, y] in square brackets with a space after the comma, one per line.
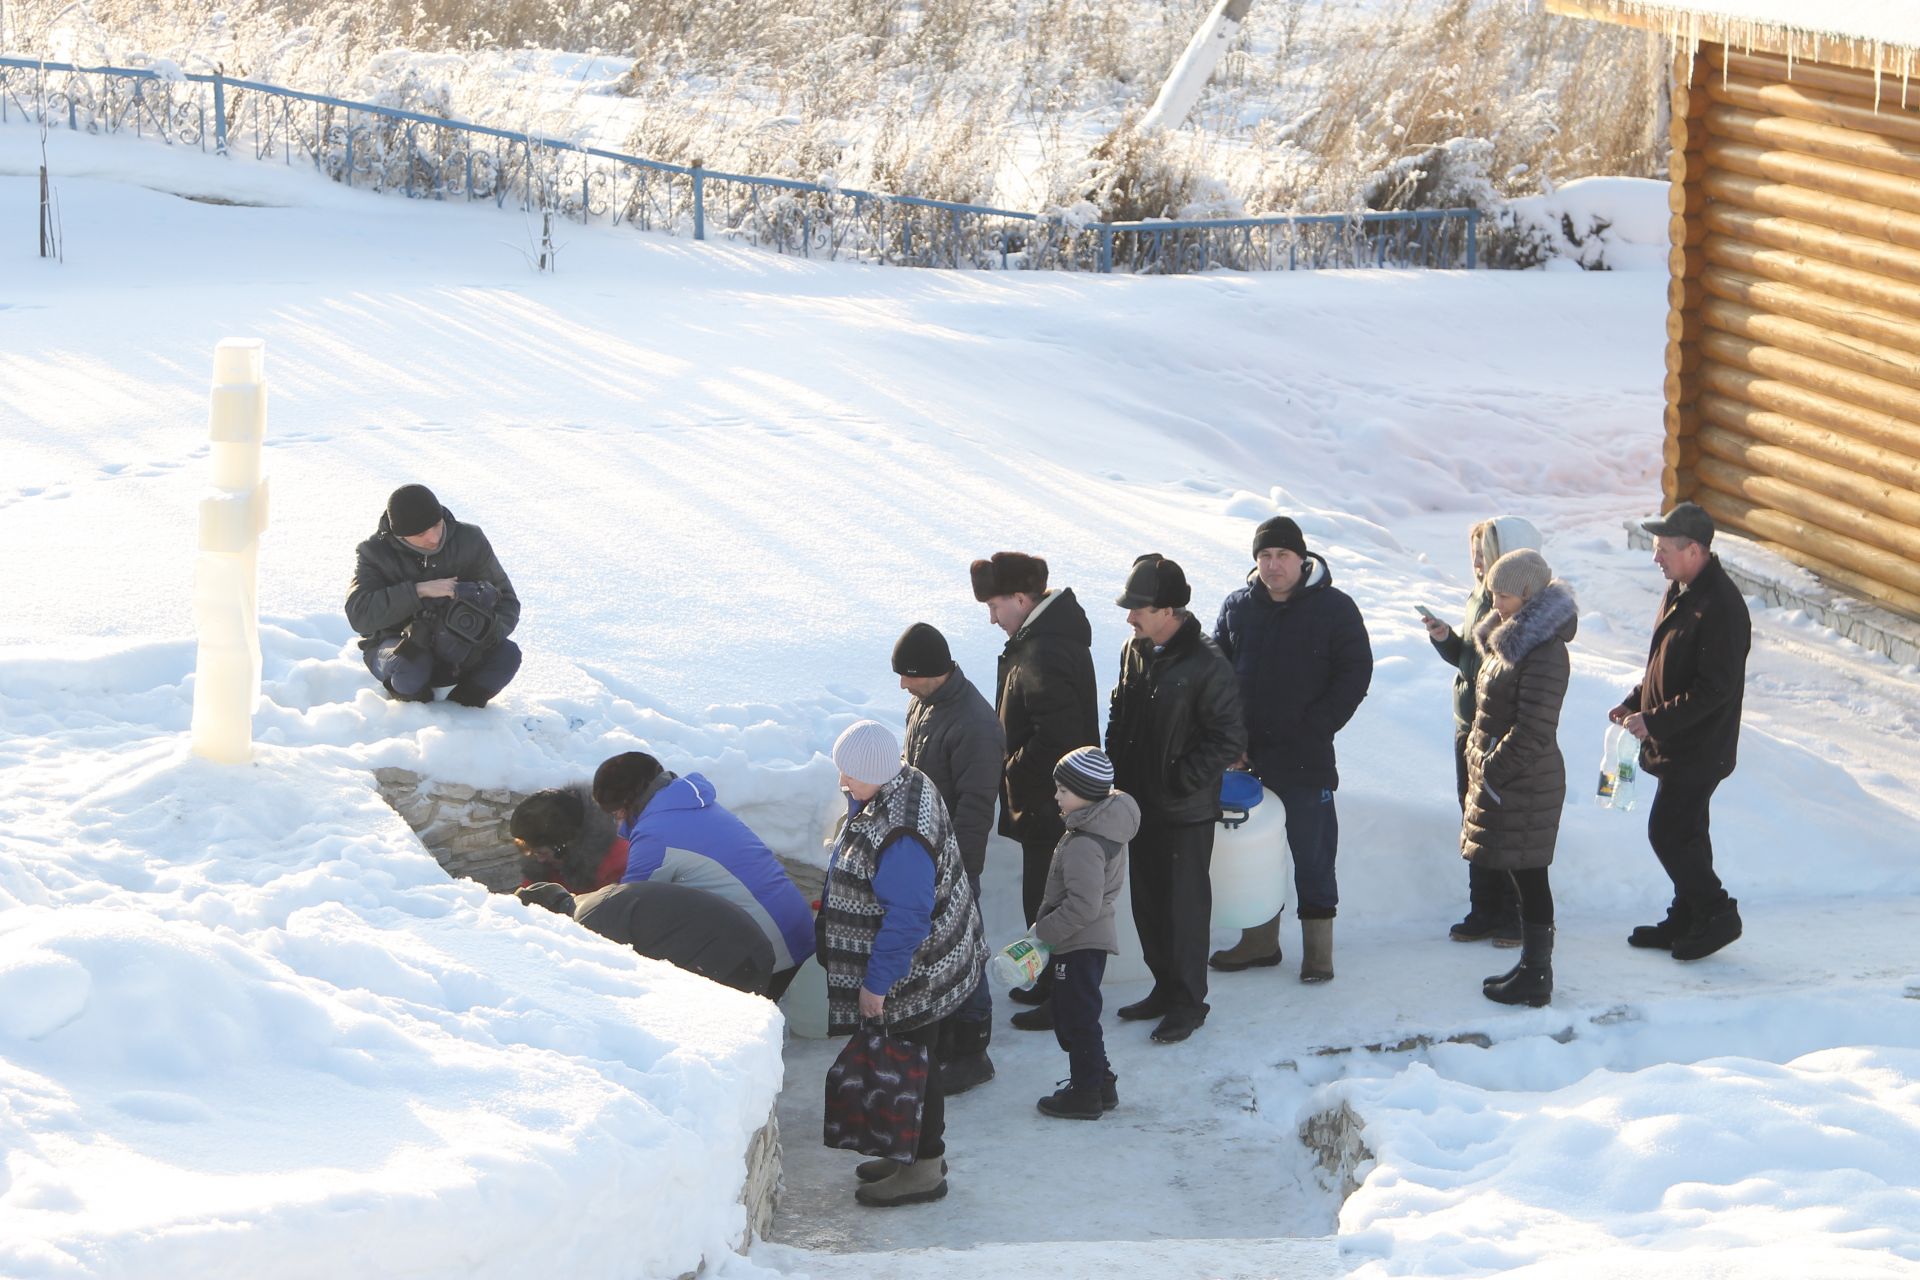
[876, 1091]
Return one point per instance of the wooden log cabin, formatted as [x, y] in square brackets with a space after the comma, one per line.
[1793, 329]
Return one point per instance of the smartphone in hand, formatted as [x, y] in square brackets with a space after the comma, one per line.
[1425, 613]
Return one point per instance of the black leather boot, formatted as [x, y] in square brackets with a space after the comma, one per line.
[1531, 981]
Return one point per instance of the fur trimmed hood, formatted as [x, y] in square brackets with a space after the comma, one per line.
[1552, 614]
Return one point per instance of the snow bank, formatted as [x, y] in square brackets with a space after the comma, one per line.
[1765, 1155]
[1598, 224]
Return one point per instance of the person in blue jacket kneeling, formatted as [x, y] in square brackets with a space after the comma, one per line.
[677, 833]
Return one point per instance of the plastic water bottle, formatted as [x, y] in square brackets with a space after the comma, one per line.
[1609, 767]
[1020, 963]
[1619, 769]
[1626, 771]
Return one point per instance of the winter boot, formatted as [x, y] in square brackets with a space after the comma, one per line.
[884, 1167]
[963, 1055]
[1508, 933]
[1069, 1103]
[465, 695]
[1258, 948]
[1316, 945]
[1476, 927]
[1154, 1006]
[1662, 936]
[1709, 932]
[915, 1183]
[1038, 1018]
[1531, 982]
[1178, 1025]
[1110, 1092]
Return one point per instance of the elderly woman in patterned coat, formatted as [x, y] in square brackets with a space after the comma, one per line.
[1516, 776]
[898, 934]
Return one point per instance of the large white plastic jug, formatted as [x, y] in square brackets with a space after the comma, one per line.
[1249, 856]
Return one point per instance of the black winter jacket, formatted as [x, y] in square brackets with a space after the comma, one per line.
[381, 599]
[1304, 666]
[954, 738]
[1516, 775]
[690, 928]
[1696, 676]
[1175, 725]
[1048, 702]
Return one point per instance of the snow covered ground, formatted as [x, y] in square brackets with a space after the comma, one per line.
[246, 1024]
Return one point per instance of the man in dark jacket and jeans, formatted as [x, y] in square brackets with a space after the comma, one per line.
[1304, 663]
[1047, 700]
[1173, 728]
[433, 604]
[954, 738]
[1686, 713]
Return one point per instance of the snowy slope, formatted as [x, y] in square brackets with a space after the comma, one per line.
[723, 483]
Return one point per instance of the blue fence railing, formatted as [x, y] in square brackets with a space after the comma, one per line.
[431, 157]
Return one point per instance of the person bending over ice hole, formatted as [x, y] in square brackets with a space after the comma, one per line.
[1076, 923]
[563, 836]
[1516, 778]
[899, 935]
[690, 929]
[433, 604]
[676, 833]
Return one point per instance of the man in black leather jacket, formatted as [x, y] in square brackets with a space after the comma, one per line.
[433, 604]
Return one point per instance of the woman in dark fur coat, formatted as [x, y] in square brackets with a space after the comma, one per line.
[1516, 777]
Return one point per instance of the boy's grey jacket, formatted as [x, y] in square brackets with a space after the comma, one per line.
[1089, 866]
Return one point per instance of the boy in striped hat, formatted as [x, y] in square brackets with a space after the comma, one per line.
[1076, 923]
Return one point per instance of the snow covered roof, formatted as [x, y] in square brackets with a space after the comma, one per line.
[1860, 33]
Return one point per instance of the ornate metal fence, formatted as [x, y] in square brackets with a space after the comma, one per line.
[430, 157]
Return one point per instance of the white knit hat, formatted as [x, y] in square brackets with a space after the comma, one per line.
[867, 752]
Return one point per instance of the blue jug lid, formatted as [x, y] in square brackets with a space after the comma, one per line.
[1240, 790]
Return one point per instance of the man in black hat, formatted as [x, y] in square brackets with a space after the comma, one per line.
[954, 738]
[433, 604]
[1047, 698]
[1686, 713]
[1305, 662]
[1172, 729]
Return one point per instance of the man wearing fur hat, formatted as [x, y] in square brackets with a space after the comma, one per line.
[1173, 728]
[1046, 698]
[433, 604]
[1304, 663]
[954, 738]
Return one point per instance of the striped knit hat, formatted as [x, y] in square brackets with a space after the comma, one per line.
[1086, 772]
[868, 752]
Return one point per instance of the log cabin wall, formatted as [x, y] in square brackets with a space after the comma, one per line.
[1793, 356]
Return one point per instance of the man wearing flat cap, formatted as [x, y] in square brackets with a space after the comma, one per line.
[1304, 661]
[1048, 702]
[1172, 729]
[1686, 713]
[432, 604]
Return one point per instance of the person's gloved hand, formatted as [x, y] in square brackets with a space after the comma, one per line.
[483, 595]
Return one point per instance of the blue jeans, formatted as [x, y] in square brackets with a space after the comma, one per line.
[413, 678]
[1076, 1015]
[1313, 833]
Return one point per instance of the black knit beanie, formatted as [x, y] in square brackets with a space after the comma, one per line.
[1279, 531]
[412, 510]
[921, 651]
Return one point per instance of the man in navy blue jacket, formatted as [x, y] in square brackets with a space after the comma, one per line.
[1304, 660]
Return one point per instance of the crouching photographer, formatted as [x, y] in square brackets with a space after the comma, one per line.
[433, 604]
